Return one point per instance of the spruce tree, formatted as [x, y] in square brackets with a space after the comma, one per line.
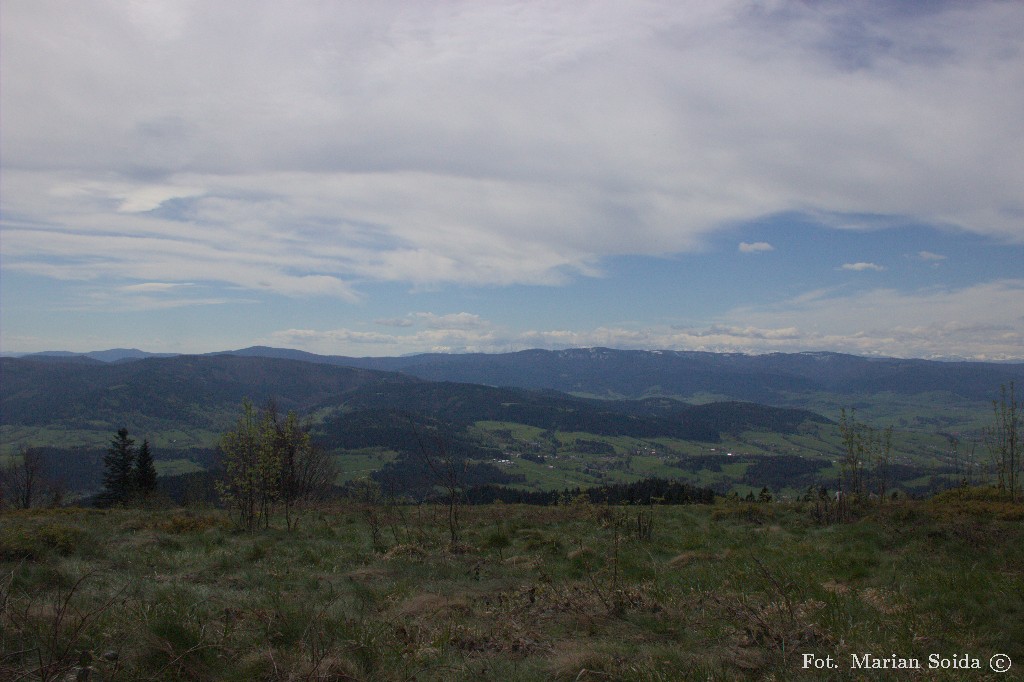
[145, 471]
[119, 471]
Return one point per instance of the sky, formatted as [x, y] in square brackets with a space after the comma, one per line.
[384, 178]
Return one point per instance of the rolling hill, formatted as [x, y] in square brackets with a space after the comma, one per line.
[768, 378]
[193, 391]
[775, 378]
[206, 391]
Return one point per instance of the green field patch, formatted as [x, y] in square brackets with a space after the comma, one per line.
[927, 411]
[356, 464]
[647, 466]
[582, 442]
[13, 437]
[520, 432]
[554, 474]
[736, 470]
[176, 467]
[674, 446]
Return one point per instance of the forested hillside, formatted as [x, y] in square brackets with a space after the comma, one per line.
[185, 390]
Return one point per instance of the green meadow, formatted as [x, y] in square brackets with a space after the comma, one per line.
[577, 591]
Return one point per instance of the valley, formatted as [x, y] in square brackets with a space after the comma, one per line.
[531, 420]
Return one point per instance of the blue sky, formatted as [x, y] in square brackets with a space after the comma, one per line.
[390, 178]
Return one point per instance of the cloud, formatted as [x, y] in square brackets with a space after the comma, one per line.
[861, 267]
[755, 247]
[929, 256]
[750, 333]
[153, 287]
[358, 343]
[308, 147]
[452, 321]
[394, 322]
[935, 323]
[983, 321]
[145, 296]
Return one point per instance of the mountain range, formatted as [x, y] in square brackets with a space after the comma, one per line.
[606, 373]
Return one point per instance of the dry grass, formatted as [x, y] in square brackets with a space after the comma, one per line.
[579, 663]
[707, 596]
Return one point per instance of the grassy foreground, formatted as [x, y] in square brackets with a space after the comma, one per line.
[575, 592]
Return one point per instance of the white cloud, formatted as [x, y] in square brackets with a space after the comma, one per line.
[394, 322]
[358, 343]
[303, 147]
[982, 321]
[755, 247]
[153, 287]
[930, 323]
[929, 256]
[861, 267]
[140, 199]
[452, 321]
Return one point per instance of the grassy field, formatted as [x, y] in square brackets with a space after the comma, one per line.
[176, 467]
[929, 411]
[550, 460]
[567, 464]
[574, 592]
[356, 464]
[13, 438]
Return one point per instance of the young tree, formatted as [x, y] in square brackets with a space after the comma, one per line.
[852, 434]
[444, 470]
[145, 472]
[865, 445]
[881, 453]
[307, 472]
[119, 471]
[1003, 440]
[269, 461]
[22, 480]
[958, 465]
[242, 488]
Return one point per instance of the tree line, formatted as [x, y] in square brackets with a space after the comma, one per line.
[647, 491]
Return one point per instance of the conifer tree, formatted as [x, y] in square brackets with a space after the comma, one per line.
[145, 471]
[119, 471]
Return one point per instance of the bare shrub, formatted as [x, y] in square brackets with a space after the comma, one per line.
[40, 636]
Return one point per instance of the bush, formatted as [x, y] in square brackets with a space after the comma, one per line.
[982, 501]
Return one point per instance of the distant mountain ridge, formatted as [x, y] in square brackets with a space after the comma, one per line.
[187, 389]
[630, 374]
[633, 374]
[110, 355]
